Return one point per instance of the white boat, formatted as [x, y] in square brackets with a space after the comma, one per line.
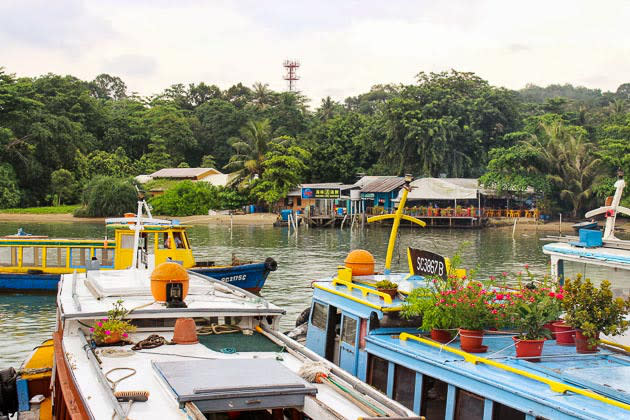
[595, 255]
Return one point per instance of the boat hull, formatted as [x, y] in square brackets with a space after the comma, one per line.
[250, 277]
[29, 282]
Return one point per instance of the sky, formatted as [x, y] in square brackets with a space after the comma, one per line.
[344, 46]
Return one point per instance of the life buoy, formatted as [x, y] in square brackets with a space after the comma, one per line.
[271, 264]
[610, 213]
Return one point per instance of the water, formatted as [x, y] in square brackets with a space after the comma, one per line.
[27, 320]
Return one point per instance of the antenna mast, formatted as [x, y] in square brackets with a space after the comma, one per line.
[291, 75]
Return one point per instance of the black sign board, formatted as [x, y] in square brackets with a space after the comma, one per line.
[332, 193]
[425, 263]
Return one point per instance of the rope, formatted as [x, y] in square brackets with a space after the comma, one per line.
[109, 352]
[114, 384]
[219, 329]
[33, 371]
[151, 342]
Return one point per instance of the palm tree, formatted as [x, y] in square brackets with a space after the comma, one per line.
[327, 109]
[567, 160]
[250, 148]
[262, 94]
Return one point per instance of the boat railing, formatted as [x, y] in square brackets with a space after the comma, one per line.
[365, 291]
[555, 386]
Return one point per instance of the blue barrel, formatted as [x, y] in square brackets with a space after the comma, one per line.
[252, 208]
[285, 214]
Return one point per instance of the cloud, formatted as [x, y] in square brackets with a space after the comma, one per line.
[131, 65]
[67, 26]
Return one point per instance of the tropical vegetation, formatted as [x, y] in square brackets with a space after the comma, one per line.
[58, 133]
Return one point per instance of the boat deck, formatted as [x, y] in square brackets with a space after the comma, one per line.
[608, 256]
[557, 379]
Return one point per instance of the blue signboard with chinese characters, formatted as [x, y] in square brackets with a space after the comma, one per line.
[331, 193]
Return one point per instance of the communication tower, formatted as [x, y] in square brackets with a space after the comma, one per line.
[291, 75]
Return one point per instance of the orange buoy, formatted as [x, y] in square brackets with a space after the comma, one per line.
[168, 272]
[361, 262]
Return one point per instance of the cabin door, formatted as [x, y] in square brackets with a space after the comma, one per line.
[348, 354]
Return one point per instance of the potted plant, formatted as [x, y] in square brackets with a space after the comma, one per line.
[591, 311]
[471, 306]
[529, 311]
[386, 286]
[427, 303]
[114, 328]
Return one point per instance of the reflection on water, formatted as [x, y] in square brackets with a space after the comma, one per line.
[26, 320]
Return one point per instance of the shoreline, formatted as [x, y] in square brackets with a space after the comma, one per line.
[267, 219]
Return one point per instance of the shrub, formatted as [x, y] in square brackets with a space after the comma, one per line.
[108, 196]
[190, 198]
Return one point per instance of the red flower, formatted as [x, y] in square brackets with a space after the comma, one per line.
[551, 294]
[559, 296]
[494, 311]
[526, 266]
[500, 296]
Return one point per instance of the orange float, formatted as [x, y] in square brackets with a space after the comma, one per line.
[168, 272]
[361, 262]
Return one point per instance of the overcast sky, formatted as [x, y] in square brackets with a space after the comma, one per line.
[344, 46]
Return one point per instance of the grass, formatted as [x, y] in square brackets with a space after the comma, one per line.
[43, 210]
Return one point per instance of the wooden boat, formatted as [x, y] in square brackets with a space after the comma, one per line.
[234, 364]
[35, 263]
[359, 328]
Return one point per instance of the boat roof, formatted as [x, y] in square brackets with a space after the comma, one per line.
[613, 257]
[91, 294]
[361, 295]
[27, 240]
[500, 374]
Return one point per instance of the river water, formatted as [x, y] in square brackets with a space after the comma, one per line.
[27, 319]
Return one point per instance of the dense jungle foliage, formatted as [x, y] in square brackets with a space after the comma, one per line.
[58, 133]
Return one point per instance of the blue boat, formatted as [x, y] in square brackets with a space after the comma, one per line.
[360, 329]
[36, 263]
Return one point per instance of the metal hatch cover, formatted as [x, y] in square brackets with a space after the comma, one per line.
[234, 384]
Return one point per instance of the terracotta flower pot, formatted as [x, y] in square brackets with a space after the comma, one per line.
[441, 336]
[551, 328]
[581, 343]
[471, 341]
[391, 292]
[185, 331]
[112, 338]
[529, 348]
[564, 334]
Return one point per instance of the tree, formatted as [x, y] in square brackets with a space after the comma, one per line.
[284, 169]
[250, 150]
[63, 185]
[105, 86]
[107, 196]
[207, 161]
[261, 95]
[10, 193]
[219, 120]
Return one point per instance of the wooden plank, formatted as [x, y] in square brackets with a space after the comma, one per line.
[70, 400]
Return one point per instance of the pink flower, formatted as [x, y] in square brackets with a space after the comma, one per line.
[500, 296]
[107, 332]
[492, 278]
[559, 296]
[125, 335]
[504, 274]
[91, 329]
[526, 266]
[100, 324]
[494, 311]
[104, 320]
[442, 300]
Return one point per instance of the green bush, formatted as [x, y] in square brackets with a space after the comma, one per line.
[192, 198]
[106, 196]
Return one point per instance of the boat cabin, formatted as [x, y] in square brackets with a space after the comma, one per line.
[360, 329]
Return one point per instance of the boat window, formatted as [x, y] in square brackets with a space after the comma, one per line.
[8, 256]
[105, 256]
[377, 373]
[434, 394]
[320, 315]
[126, 241]
[179, 241]
[186, 238]
[349, 330]
[505, 412]
[165, 241]
[468, 406]
[362, 333]
[31, 256]
[404, 385]
[79, 256]
[56, 257]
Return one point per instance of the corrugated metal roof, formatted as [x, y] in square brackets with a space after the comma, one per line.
[183, 172]
[383, 184]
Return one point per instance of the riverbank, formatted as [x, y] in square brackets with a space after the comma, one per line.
[256, 219]
[529, 225]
